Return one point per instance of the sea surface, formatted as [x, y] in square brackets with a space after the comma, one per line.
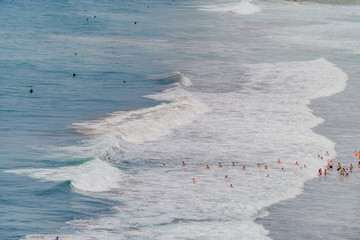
[125, 91]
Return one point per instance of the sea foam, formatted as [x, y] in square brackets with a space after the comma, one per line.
[241, 7]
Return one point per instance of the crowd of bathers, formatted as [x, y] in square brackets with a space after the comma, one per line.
[341, 170]
[243, 168]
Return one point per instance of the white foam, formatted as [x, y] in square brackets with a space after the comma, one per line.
[240, 7]
[92, 176]
[149, 124]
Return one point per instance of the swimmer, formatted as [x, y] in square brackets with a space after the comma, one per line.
[231, 185]
[338, 167]
[74, 74]
[328, 166]
[193, 181]
[233, 164]
[109, 158]
[207, 167]
[304, 166]
[226, 176]
[220, 165]
[245, 168]
[183, 164]
[266, 168]
[267, 176]
[355, 153]
[57, 238]
[297, 164]
[282, 170]
[258, 165]
[135, 22]
[359, 164]
[318, 156]
[325, 173]
[31, 91]
[327, 153]
[331, 164]
[351, 167]
[278, 161]
[124, 81]
[320, 172]
[321, 158]
[163, 164]
[75, 54]
[347, 172]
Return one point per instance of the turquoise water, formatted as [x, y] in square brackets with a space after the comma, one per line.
[165, 82]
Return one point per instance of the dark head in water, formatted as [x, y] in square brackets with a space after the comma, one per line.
[31, 91]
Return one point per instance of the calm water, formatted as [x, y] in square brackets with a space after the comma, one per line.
[161, 82]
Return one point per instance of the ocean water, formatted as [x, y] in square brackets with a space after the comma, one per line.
[165, 81]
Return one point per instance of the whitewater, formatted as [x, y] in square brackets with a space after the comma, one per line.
[259, 122]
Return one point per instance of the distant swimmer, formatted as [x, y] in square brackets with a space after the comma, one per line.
[331, 164]
[163, 164]
[297, 164]
[327, 153]
[245, 168]
[321, 158]
[207, 167]
[278, 161]
[75, 53]
[282, 170]
[304, 166]
[231, 186]
[267, 176]
[355, 153]
[325, 173]
[318, 156]
[347, 172]
[74, 74]
[31, 91]
[220, 165]
[351, 167]
[183, 164]
[57, 238]
[328, 165]
[258, 165]
[320, 172]
[135, 22]
[94, 16]
[193, 181]
[109, 158]
[124, 81]
[359, 165]
[266, 168]
[226, 176]
[233, 164]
